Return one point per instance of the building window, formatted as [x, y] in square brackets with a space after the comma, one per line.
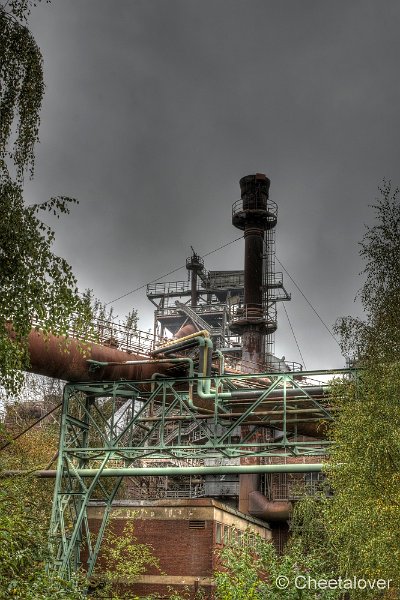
[218, 533]
[226, 534]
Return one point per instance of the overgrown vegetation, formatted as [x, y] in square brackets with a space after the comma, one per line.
[364, 515]
[122, 561]
[357, 531]
[25, 504]
[253, 570]
[36, 284]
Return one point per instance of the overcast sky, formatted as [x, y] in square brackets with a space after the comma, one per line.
[154, 109]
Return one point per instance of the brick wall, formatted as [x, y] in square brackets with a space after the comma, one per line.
[183, 537]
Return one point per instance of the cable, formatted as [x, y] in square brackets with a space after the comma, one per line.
[295, 338]
[30, 427]
[169, 273]
[224, 246]
[308, 302]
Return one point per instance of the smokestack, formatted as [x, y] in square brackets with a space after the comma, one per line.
[254, 215]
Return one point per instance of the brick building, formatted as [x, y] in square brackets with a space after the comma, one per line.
[185, 535]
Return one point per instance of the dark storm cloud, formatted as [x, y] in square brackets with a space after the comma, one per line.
[155, 109]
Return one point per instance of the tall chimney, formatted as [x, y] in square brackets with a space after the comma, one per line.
[255, 215]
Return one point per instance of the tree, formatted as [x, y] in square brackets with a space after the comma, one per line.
[251, 569]
[122, 561]
[24, 520]
[364, 513]
[377, 337]
[36, 285]
[22, 88]
[363, 517]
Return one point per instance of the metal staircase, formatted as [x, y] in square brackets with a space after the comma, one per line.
[193, 316]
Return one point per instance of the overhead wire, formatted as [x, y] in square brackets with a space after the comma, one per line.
[140, 287]
[295, 338]
[16, 437]
[308, 302]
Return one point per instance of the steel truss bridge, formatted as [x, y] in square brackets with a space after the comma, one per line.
[110, 430]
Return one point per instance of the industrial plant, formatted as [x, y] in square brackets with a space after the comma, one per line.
[197, 431]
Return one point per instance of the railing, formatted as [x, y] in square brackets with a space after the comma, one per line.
[273, 280]
[184, 491]
[167, 287]
[254, 312]
[117, 335]
[199, 309]
[192, 314]
[225, 280]
[195, 262]
[273, 365]
[257, 202]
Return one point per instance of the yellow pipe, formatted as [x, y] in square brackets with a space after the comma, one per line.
[203, 333]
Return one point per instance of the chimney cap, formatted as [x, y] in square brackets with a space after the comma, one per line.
[250, 181]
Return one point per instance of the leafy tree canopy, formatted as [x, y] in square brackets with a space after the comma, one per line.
[363, 518]
[377, 337]
[251, 569]
[35, 283]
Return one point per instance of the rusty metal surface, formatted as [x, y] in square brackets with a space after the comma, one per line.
[66, 358]
[259, 506]
[185, 330]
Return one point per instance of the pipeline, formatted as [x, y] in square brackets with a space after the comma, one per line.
[72, 360]
[174, 471]
[262, 508]
[207, 397]
[185, 330]
[67, 359]
[208, 400]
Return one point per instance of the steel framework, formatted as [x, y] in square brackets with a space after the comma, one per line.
[113, 429]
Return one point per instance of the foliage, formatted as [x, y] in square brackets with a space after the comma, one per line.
[364, 515]
[21, 90]
[187, 594]
[251, 570]
[309, 529]
[377, 338]
[36, 284]
[122, 561]
[24, 518]
[104, 319]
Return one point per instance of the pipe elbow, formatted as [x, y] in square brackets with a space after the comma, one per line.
[261, 507]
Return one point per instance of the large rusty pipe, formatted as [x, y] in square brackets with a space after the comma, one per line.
[185, 330]
[262, 508]
[66, 358]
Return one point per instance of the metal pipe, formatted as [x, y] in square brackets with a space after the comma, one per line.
[262, 508]
[185, 330]
[67, 359]
[172, 471]
[221, 359]
[147, 361]
[314, 391]
[179, 344]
